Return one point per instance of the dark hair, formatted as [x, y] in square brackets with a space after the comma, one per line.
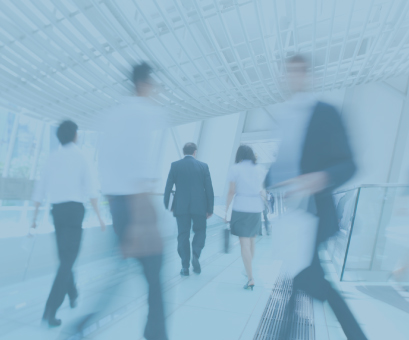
[67, 131]
[189, 148]
[299, 59]
[244, 152]
[141, 73]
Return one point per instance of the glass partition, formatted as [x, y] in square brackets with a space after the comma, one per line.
[25, 145]
[374, 232]
[345, 202]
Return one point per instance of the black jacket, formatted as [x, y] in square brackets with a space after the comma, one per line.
[326, 148]
[194, 191]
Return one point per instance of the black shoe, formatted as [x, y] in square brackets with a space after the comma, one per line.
[196, 265]
[248, 286]
[51, 320]
[184, 272]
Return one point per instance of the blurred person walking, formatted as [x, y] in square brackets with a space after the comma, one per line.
[127, 163]
[66, 182]
[193, 203]
[314, 157]
[246, 187]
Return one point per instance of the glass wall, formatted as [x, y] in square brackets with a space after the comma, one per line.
[345, 202]
[25, 145]
[373, 241]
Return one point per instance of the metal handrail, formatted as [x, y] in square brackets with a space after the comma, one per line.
[360, 186]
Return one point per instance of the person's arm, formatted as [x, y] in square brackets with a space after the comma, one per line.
[94, 203]
[230, 195]
[267, 178]
[169, 186]
[341, 164]
[209, 193]
[91, 189]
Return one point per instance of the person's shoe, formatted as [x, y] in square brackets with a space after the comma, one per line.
[51, 320]
[184, 272]
[249, 285]
[196, 265]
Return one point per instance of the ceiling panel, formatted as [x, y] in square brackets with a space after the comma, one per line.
[72, 58]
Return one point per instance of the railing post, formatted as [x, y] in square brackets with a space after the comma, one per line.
[350, 235]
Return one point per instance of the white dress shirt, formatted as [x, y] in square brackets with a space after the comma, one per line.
[293, 123]
[127, 156]
[66, 178]
[248, 178]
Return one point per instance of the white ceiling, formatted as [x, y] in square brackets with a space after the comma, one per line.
[72, 58]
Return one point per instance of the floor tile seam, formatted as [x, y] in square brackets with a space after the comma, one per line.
[251, 315]
[90, 289]
[30, 325]
[325, 319]
[216, 310]
[210, 281]
[141, 303]
[66, 307]
[108, 257]
[129, 312]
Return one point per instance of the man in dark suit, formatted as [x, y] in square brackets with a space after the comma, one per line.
[316, 158]
[193, 202]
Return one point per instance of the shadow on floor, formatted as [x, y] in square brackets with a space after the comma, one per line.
[386, 294]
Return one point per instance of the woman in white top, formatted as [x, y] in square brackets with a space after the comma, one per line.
[245, 186]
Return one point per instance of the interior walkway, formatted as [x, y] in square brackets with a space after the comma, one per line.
[212, 305]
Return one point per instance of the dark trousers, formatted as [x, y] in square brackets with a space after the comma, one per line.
[68, 219]
[199, 228]
[311, 280]
[155, 328]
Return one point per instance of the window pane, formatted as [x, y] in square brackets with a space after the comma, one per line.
[24, 148]
[6, 127]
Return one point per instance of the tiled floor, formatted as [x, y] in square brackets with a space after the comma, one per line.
[210, 306]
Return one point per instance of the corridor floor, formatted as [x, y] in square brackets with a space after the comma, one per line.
[210, 306]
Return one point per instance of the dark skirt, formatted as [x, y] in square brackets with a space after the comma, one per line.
[245, 224]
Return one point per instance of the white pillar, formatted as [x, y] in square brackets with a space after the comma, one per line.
[217, 140]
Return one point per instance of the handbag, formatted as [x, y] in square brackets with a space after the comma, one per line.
[141, 236]
[171, 200]
[226, 239]
[295, 236]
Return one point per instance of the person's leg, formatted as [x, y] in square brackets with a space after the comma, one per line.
[57, 287]
[199, 238]
[245, 243]
[345, 317]
[312, 281]
[119, 209]
[252, 246]
[155, 326]
[68, 221]
[184, 224]
[288, 316]
[308, 280]
[72, 289]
